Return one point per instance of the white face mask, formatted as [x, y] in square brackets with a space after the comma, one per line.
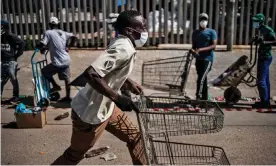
[256, 25]
[203, 23]
[143, 39]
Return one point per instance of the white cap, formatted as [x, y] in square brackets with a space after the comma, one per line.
[54, 20]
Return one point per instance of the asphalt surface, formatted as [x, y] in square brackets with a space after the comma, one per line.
[248, 137]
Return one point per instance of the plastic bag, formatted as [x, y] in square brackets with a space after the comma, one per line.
[21, 108]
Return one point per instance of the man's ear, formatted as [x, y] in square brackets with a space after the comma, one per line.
[128, 30]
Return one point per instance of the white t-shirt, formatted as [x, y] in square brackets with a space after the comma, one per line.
[56, 40]
[115, 66]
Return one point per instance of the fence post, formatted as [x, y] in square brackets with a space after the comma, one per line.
[230, 23]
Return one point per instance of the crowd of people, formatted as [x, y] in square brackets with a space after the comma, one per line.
[98, 106]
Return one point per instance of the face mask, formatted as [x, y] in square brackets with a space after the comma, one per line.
[143, 39]
[203, 24]
[256, 25]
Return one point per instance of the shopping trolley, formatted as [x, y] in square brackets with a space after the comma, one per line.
[168, 74]
[42, 96]
[162, 118]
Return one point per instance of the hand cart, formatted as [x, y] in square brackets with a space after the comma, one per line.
[239, 72]
[171, 118]
[168, 74]
[42, 96]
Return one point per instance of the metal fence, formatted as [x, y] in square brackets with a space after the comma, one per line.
[169, 21]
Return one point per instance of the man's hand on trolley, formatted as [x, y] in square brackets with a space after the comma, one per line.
[194, 52]
[125, 103]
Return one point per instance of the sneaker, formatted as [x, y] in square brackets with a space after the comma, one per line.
[66, 99]
[62, 116]
[55, 89]
[14, 100]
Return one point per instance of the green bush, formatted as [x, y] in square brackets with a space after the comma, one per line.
[29, 44]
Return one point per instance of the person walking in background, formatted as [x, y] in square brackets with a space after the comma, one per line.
[204, 41]
[57, 42]
[11, 48]
[264, 59]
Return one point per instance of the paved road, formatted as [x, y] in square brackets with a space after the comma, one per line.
[248, 137]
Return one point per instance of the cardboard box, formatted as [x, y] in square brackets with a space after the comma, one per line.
[31, 120]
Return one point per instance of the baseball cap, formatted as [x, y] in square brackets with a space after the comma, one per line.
[54, 20]
[203, 15]
[259, 17]
[4, 24]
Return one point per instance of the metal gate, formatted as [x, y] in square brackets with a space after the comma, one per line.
[169, 21]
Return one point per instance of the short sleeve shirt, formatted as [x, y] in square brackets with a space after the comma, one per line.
[115, 66]
[56, 40]
[204, 39]
[268, 35]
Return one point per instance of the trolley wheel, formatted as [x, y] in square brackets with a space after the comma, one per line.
[44, 102]
[54, 96]
[232, 95]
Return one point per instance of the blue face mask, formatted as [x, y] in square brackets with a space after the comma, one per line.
[256, 25]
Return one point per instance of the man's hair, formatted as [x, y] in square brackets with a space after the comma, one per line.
[125, 19]
[5, 24]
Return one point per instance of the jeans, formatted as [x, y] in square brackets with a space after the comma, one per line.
[9, 71]
[263, 78]
[202, 68]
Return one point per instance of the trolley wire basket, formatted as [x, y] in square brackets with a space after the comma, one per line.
[175, 153]
[167, 74]
[174, 117]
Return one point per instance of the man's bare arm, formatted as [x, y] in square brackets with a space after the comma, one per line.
[97, 83]
[211, 47]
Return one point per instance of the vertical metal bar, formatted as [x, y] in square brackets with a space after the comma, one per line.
[172, 22]
[247, 21]
[48, 6]
[191, 20]
[38, 20]
[153, 23]
[141, 7]
[61, 14]
[14, 17]
[8, 12]
[73, 16]
[85, 22]
[273, 15]
[128, 3]
[262, 6]
[116, 6]
[235, 20]
[32, 22]
[267, 10]
[67, 16]
[2, 11]
[255, 4]
[79, 22]
[160, 22]
[122, 5]
[26, 19]
[217, 15]
[165, 21]
[108, 13]
[20, 20]
[204, 6]
[147, 13]
[184, 23]
[98, 23]
[43, 15]
[241, 22]
[104, 24]
[179, 14]
[210, 7]
[91, 22]
[54, 5]
[197, 13]
[135, 4]
[47, 12]
[222, 23]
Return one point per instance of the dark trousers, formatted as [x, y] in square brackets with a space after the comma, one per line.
[8, 71]
[202, 68]
[263, 78]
